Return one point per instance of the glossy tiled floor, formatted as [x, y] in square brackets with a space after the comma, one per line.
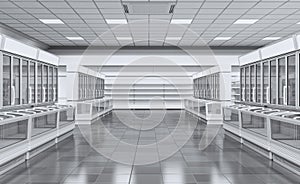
[224, 161]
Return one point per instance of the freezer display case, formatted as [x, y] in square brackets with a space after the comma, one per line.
[231, 114]
[256, 127]
[285, 136]
[207, 87]
[43, 121]
[13, 139]
[90, 87]
[87, 111]
[13, 129]
[272, 82]
[210, 111]
[26, 81]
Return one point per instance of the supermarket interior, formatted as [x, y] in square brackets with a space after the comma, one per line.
[150, 92]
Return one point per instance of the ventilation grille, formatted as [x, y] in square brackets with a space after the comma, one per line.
[149, 8]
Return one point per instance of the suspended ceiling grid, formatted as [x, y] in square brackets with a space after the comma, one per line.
[210, 19]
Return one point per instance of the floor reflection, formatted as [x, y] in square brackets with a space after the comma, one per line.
[221, 162]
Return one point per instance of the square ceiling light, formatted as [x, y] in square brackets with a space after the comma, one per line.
[271, 38]
[51, 21]
[116, 21]
[181, 21]
[245, 21]
[74, 38]
[223, 38]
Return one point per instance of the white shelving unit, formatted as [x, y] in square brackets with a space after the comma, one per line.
[148, 93]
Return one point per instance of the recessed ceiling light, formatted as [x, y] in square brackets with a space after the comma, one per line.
[74, 38]
[222, 38]
[51, 21]
[124, 38]
[116, 21]
[173, 38]
[245, 21]
[298, 23]
[271, 38]
[181, 21]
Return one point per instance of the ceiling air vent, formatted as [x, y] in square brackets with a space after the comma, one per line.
[172, 8]
[125, 8]
[148, 8]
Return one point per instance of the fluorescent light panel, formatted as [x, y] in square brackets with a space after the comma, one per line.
[222, 38]
[74, 38]
[124, 38]
[173, 38]
[51, 21]
[298, 23]
[245, 21]
[271, 38]
[116, 21]
[181, 21]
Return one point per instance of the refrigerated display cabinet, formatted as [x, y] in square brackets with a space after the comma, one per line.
[232, 117]
[13, 140]
[285, 136]
[273, 82]
[209, 111]
[89, 110]
[256, 127]
[13, 129]
[25, 133]
[90, 87]
[26, 81]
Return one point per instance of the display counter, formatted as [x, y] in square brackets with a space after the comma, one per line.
[89, 110]
[210, 111]
[274, 133]
[25, 133]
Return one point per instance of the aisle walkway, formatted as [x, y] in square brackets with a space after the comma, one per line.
[224, 161]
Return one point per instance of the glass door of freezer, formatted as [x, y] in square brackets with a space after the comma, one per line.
[39, 83]
[242, 84]
[273, 81]
[32, 82]
[252, 84]
[51, 87]
[55, 84]
[6, 75]
[45, 83]
[16, 80]
[266, 82]
[247, 84]
[79, 85]
[25, 81]
[258, 83]
[281, 81]
[291, 82]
